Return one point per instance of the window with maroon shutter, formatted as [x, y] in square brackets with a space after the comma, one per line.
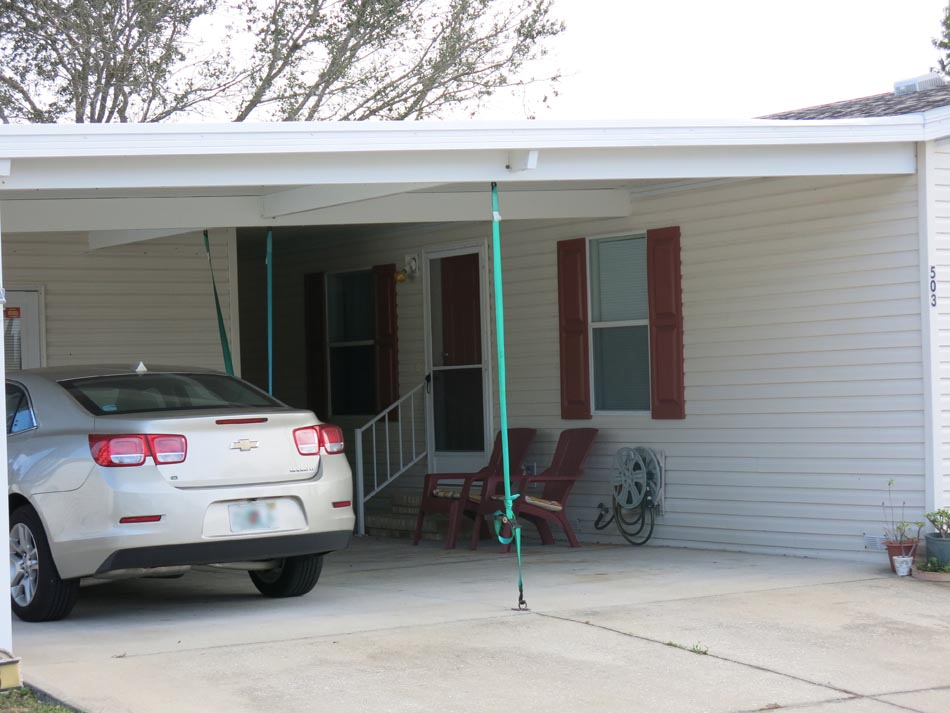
[387, 344]
[668, 394]
[629, 357]
[361, 340]
[572, 319]
[315, 311]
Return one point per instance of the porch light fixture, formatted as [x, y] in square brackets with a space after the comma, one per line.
[409, 270]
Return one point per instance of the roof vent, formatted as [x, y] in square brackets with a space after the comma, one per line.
[918, 84]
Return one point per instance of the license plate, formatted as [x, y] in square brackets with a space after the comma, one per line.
[253, 516]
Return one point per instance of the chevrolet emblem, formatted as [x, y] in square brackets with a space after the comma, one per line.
[244, 445]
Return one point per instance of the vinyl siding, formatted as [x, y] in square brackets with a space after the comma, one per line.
[149, 301]
[940, 205]
[804, 388]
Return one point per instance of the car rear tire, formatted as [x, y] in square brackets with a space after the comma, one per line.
[37, 593]
[294, 577]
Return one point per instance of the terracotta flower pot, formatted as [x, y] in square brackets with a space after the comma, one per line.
[896, 549]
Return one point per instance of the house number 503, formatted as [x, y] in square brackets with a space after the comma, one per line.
[933, 286]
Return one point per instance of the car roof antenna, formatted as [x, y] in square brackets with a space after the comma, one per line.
[141, 369]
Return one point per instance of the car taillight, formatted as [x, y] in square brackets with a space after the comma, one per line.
[118, 451]
[314, 440]
[168, 449]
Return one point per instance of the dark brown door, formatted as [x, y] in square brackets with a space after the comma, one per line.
[461, 316]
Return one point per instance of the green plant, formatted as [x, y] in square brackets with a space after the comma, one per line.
[933, 565]
[940, 519]
[895, 530]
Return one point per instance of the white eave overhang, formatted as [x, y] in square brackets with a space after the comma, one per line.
[175, 176]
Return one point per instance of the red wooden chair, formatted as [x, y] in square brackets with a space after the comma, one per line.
[566, 468]
[489, 498]
[439, 496]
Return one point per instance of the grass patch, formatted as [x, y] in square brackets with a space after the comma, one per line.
[696, 648]
[25, 700]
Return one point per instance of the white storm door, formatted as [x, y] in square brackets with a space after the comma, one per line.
[459, 399]
[21, 330]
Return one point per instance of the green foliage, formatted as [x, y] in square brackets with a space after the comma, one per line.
[933, 565]
[943, 44]
[940, 519]
[145, 60]
[24, 700]
[696, 648]
[901, 531]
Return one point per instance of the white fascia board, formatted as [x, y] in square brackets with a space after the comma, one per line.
[110, 219]
[99, 239]
[63, 141]
[937, 123]
[302, 200]
[447, 167]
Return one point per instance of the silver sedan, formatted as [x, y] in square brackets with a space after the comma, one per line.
[118, 472]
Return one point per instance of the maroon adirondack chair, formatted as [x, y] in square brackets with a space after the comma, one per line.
[442, 494]
[488, 499]
[566, 468]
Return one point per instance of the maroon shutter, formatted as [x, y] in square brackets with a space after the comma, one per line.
[667, 387]
[315, 315]
[573, 325]
[387, 343]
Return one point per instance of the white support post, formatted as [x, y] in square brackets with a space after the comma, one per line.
[929, 322]
[6, 615]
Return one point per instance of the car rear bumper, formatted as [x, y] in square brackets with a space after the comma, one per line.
[259, 548]
[87, 535]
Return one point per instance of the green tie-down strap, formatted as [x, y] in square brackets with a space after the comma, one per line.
[222, 332]
[509, 522]
[501, 518]
[503, 389]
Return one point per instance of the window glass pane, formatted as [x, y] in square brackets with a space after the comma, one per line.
[621, 369]
[353, 380]
[13, 342]
[457, 410]
[19, 414]
[139, 393]
[618, 279]
[350, 306]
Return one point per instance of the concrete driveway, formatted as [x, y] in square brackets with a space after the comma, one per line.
[393, 627]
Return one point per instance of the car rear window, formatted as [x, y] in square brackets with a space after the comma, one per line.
[140, 393]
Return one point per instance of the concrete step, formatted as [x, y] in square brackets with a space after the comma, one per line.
[406, 500]
[402, 534]
[391, 521]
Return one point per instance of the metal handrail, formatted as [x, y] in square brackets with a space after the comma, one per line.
[406, 461]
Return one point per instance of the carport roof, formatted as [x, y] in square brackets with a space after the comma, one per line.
[176, 177]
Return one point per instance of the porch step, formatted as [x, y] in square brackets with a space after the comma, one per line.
[397, 519]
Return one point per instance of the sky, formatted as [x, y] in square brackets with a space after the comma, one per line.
[727, 59]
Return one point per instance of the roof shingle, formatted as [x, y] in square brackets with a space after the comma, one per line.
[889, 104]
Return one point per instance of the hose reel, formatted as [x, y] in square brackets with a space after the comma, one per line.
[637, 485]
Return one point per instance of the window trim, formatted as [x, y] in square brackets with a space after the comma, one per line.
[29, 401]
[328, 345]
[594, 411]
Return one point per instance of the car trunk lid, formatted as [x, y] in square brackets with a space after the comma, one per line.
[226, 448]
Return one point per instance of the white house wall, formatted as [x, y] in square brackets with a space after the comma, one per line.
[804, 389]
[148, 301]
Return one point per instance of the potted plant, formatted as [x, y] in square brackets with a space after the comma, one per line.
[900, 537]
[938, 542]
